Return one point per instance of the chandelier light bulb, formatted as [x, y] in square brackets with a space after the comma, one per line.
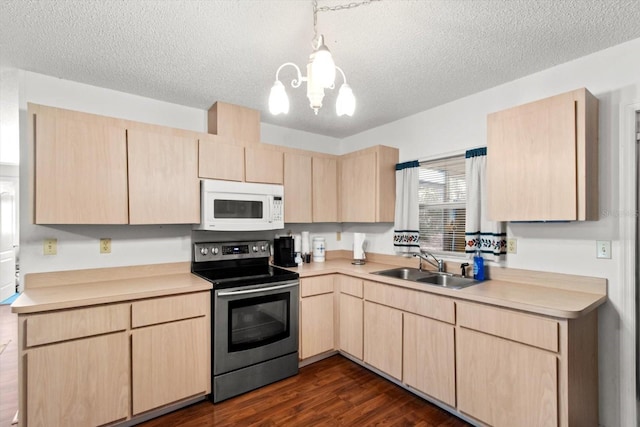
[346, 102]
[324, 68]
[278, 99]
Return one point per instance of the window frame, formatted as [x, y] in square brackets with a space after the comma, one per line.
[445, 205]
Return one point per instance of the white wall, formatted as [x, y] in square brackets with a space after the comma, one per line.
[131, 245]
[612, 75]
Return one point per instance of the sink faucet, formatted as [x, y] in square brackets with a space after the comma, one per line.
[424, 255]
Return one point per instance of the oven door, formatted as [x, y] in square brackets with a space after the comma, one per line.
[253, 324]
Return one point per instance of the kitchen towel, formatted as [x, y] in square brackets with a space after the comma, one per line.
[489, 237]
[406, 230]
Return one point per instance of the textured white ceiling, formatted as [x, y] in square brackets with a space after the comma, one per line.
[399, 56]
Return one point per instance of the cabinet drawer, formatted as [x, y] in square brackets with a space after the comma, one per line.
[71, 324]
[169, 309]
[351, 286]
[524, 328]
[316, 286]
[421, 303]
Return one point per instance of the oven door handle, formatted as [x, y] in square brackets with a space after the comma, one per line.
[255, 291]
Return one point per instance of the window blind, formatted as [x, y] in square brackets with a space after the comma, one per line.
[442, 198]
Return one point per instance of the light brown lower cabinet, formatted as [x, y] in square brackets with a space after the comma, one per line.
[429, 357]
[169, 363]
[351, 315]
[78, 383]
[90, 366]
[499, 366]
[383, 338]
[351, 325]
[316, 316]
[503, 383]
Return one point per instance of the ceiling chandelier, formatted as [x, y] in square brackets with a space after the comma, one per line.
[321, 74]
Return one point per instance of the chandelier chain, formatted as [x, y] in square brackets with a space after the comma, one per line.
[335, 8]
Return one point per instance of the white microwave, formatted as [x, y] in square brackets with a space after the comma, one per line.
[241, 206]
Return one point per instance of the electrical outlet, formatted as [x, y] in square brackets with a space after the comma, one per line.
[50, 246]
[105, 246]
[603, 249]
[338, 236]
[512, 246]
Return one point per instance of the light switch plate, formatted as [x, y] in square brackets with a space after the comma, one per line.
[603, 249]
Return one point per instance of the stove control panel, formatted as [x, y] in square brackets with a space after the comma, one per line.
[220, 251]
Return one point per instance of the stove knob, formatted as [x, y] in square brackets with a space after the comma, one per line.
[262, 248]
[214, 250]
[204, 251]
[255, 249]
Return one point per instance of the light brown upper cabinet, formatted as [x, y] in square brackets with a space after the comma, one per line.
[163, 178]
[234, 122]
[264, 165]
[80, 167]
[368, 185]
[325, 189]
[218, 160]
[542, 160]
[297, 188]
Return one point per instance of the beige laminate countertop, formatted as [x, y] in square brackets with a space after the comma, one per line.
[548, 300]
[106, 291]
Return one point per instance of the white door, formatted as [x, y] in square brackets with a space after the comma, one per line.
[7, 253]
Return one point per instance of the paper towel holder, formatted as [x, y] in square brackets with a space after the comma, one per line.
[359, 254]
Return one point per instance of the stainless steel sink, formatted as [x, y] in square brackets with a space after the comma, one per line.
[448, 281]
[412, 274]
[445, 280]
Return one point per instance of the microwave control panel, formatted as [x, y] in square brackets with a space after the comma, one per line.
[278, 208]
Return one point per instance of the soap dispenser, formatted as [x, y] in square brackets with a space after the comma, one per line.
[478, 266]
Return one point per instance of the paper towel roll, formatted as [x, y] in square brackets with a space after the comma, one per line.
[306, 244]
[297, 243]
[358, 245]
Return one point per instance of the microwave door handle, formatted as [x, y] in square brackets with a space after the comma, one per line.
[269, 211]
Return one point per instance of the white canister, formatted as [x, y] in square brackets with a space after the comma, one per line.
[318, 249]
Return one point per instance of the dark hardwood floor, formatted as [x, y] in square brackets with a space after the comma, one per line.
[332, 392]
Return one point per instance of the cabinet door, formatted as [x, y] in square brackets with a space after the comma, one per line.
[358, 187]
[217, 160]
[297, 188]
[316, 325]
[429, 357]
[170, 362]
[163, 179]
[325, 189]
[351, 325]
[264, 165]
[383, 338]
[80, 168]
[503, 383]
[78, 383]
[531, 163]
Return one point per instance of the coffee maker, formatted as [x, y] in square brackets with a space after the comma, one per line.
[283, 252]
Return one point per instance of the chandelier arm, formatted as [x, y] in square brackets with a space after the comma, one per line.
[342, 72]
[295, 82]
